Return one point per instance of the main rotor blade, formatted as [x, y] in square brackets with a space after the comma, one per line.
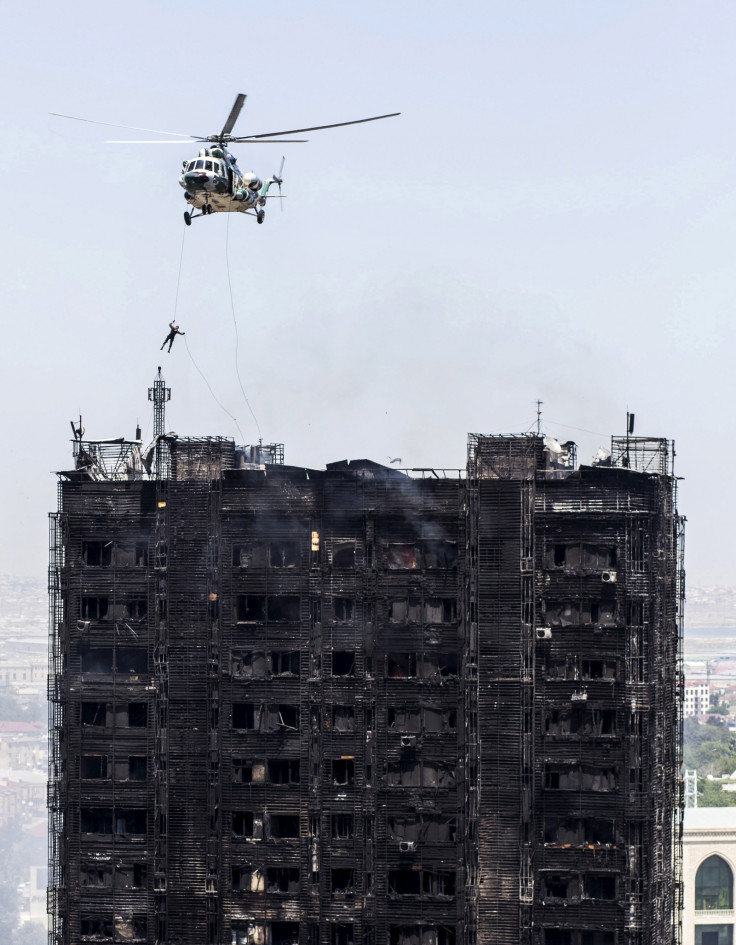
[233, 116]
[200, 142]
[270, 141]
[185, 141]
[111, 124]
[339, 124]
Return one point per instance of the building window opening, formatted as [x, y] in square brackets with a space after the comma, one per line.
[343, 663]
[285, 554]
[137, 715]
[405, 610]
[343, 608]
[97, 660]
[248, 771]
[437, 721]
[559, 887]
[137, 768]
[251, 608]
[579, 831]
[133, 822]
[343, 772]
[282, 879]
[94, 608]
[284, 933]
[598, 669]
[95, 927]
[440, 610]
[404, 719]
[97, 554]
[402, 665]
[242, 823]
[93, 767]
[249, 933]
[283, 608]
[580, 778]
[285, 663]
[247, 665]
[253, 554]
[714, 885]
[135, 608]
[343, 827]
[94, 714]
[578, 937]
[284, 826]
[283, 771]
[439, 884]
[96, 820]
[343, 718]
[439, 554]
[131, 660]
[241, 879]
[343, 882]
[342, 934]
[597, 886]
[421, 935]
[402, 557]
[343, 554]
[95, 876]
[243, 715]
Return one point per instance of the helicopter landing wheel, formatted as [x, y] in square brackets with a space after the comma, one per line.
[187, 218]
[260, 215]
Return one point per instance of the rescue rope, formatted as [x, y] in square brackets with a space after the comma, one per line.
[233, 418]
[235, 324]
[178, 278]
[186, 344]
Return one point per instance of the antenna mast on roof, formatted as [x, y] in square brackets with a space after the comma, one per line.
[539, 416]
[159, 394]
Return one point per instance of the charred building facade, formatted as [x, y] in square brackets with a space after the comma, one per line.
[359, 706]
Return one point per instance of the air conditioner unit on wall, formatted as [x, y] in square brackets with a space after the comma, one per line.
[609, 577]
[407, 846]
[544, 633]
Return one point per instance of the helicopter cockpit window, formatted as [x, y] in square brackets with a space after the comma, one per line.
[208, 165]
[200, 165]
[191, 166]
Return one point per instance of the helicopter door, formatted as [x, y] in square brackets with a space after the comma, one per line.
[230, 179]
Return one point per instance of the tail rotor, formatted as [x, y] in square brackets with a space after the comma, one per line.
[278, 179]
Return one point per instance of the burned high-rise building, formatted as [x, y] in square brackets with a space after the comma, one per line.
[364, 706]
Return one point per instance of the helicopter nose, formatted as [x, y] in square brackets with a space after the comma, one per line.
[195, 180]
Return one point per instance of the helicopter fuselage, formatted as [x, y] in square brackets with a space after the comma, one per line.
[213, 179]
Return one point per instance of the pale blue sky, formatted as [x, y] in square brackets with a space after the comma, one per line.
[552, 216]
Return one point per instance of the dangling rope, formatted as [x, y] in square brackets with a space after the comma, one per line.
[178, 278]
[186, 344]
[235, 323]
[233, 418]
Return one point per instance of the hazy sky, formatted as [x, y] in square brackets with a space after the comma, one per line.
[553, 216]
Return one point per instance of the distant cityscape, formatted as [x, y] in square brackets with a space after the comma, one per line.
[23, 750]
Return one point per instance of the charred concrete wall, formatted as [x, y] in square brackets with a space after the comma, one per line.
[350, 707]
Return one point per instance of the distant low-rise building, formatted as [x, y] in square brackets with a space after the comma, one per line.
[697, 697]
[709, 862]
[19, 673]
[22, 795]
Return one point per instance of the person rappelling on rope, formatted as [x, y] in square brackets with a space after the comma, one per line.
[171, 335]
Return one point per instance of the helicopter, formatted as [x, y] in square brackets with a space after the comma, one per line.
[212, 181]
